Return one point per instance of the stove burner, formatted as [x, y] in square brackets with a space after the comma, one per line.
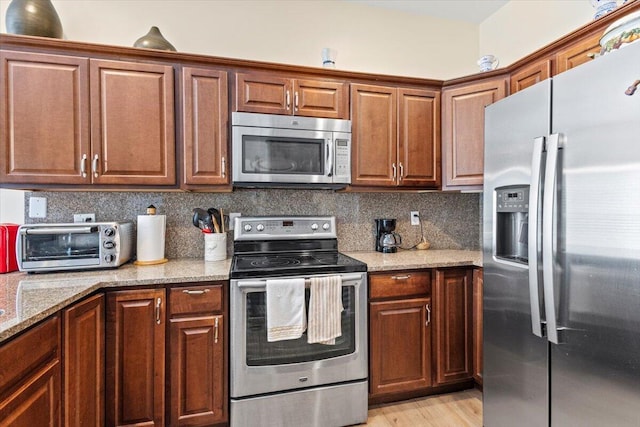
[275, 261]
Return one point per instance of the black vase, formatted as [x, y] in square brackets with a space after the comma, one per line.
[154, 40]
[33, 18]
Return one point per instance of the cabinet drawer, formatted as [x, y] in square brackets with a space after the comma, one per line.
[195, 299]
[399, 284]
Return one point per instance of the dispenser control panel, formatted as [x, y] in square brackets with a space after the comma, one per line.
[515, 199]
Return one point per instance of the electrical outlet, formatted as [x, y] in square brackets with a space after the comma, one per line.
[415, 217]
[37, 207]
[84, 217]
[232, 219]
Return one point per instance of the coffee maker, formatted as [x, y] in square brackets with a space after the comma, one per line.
[387, 240]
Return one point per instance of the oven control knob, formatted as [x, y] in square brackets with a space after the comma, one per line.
[109, 258]
[325, 226]
[260, 227]
[109, 231]
[314, 226]
[108, 244]
[247, 227]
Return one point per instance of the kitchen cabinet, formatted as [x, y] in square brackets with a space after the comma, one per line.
[586, 49]
[278, 94]
[197, 356]
[135, 358]
[205, 120]
[395, 137]
[463, 131]
[30, 377]
[83, 363]
[75, 120]
[452, 305]
[477, 324]
[530, 75]
[400, 316]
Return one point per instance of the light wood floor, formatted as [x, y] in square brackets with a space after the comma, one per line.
[460, 409]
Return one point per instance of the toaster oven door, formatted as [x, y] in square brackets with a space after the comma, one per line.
[44, 248]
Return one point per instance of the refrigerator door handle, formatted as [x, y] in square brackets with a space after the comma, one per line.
[548, 216]
[534, 197]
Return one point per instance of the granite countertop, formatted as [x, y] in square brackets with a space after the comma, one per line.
[26, 299]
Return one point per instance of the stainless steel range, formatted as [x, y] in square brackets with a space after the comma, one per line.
[291, 382]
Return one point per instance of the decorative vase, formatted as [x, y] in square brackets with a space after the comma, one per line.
[154, 40]
[603, 7]
[33, 18]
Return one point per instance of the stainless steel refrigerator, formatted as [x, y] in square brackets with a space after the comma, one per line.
[561, 246]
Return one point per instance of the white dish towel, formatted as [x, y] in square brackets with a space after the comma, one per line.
[286, 319]
[325, 308]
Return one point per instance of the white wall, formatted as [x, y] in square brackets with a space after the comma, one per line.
[11, 206]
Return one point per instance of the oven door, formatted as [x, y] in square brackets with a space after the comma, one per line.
[287, 156]
[259, 366]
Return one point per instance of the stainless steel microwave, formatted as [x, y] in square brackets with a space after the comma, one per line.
[74, 246]
[272, 150]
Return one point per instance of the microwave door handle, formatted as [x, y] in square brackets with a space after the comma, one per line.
[60, 230]
[329, 158]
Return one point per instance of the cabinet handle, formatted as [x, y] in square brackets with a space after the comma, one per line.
[592, 55]
[94, 166]
[215, 331]
[405, 277]
[224, 167]
[401, 170]
[393, 167]
[190, 292]
[295, 101]
[428, 314]
[83, 165]
[158, 305]
[288, 100]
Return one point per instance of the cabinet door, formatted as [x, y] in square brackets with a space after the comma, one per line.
[196, 365]
[530, 75]
[263, 93]
[579, 53]
[400, 343]
[135, 349]
[44, 110]
[132, 123]
[463, 132]
[418, 138]
[204, 127]
[452, 308]
[84, 363]
[477, 324]
[318, 98]
[373, 135]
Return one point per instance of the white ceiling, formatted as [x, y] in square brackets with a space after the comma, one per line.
[474, 11]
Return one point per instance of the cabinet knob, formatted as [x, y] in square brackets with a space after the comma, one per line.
[215, 331]
[428, 308]
[83, 166]
[158, 305]
[404, 277]
[200, 292]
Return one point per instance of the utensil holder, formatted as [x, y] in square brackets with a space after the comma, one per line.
[215, 246]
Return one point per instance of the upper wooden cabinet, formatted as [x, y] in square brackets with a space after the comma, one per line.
[73, 120]
[274, 94]
[578, 53]
[530, 75]
[395, 134]
[205, 120]
[463, 131]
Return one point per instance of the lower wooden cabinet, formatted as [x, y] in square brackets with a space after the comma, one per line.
[452, 299]
[83, 363]
[30, 377]
[135, 358]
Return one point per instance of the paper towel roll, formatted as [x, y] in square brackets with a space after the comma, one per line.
[150, 240]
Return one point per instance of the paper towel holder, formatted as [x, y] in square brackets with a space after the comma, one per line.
[151, 211]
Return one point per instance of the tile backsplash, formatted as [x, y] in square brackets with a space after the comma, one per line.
[449, 220]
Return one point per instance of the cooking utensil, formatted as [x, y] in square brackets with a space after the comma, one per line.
[202, 220]
[216, 218]
[222, 219]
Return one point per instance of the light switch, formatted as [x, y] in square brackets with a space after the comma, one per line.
[37, 207]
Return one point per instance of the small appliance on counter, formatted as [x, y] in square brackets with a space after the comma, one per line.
[8, 233]
[387, 240]
[74, 246]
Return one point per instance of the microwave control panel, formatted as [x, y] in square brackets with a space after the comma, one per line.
[342, 168]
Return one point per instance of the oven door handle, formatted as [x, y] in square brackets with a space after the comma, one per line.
[243, 284]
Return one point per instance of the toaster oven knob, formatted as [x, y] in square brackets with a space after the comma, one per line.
[314, 226]
[325, 226]
[109, 258]
[260, 227]
[109, 231]
[247, 227]
[108, 244]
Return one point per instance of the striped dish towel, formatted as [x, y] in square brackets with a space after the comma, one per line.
[325, 306]
[286, 319]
